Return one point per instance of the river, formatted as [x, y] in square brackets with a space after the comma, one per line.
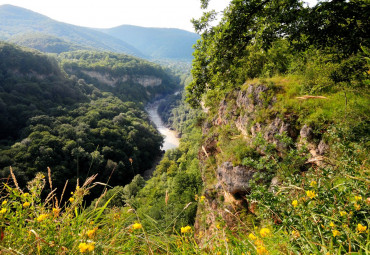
[170, 137]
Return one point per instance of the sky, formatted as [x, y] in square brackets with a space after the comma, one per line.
[111, 13]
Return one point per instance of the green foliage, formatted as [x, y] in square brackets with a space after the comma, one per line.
[267, 38]
[119, 74]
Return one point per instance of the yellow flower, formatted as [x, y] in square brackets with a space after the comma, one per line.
[2, 211]
[357, 207]
[25, 194]
[91, 233]
[137, 226]
[41, 217]
[331, 224]
[361, 228]
[358, 198]
[26, 204]
[311, 194]
[4, 202]
[218, 226]
[295, 203]
[252, 237]
[56, 212]
[186, 229]
[342, 213]
[71, 199]
[335, 232]
[313, 184]
[202, 198]
[295, 234]
[261, 250]
[91, 246]
[83, 247]
[196, 197]
[265, 232]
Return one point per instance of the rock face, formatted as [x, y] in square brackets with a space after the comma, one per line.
[235, 180]
[242, 110]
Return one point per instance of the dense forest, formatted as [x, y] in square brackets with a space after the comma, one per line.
[75, 126]
[273, 158]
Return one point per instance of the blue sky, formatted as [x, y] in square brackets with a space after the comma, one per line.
[110, 13]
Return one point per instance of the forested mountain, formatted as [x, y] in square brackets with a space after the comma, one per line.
[75, 126]
[157, 43]
[16, 21]
[46, 43]
[273, 157]
[30, 29]
[130, 78]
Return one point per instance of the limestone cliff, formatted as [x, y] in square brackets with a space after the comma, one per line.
[251, 116]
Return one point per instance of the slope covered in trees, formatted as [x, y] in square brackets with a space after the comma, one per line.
[76, 128]
[128, 77]
[16, 21]
[276, 161]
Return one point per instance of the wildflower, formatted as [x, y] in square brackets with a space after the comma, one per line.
[358, 198]
[261, 250]
[72, 193]
[186, 229]
[202, 198]
[342, 213]
[331, 224]
[258, 242]
[335, 232]
[313, 184]
[196, 197]
[137, 226]
[71, 199]
[83, 247]
[2, 211]
[41, 217]
[91, 233]
[361, 228]
[311, 194]
[218, 226]
[26, 204]
[252, 237]
[26, 194]
[344, 225]
[265, 232]
[4, 202]
[357, 206]
[91, 246]
[56, 212]
[295, 203]
[295, 234]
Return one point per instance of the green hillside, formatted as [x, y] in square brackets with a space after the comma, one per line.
[158, 43]
[273, 158]
[45, 43]
[18, 21]
[130, 78]
[51, 119]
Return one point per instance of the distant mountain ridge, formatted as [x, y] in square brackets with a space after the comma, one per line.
[15, 21]
[31, 29]
[170, 43]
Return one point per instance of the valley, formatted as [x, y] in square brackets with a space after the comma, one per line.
[272, 106]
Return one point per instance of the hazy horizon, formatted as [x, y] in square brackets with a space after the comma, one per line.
[112, 13]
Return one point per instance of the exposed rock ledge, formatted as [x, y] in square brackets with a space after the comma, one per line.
[144, 80]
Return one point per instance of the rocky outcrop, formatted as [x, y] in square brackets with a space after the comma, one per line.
[234, 179]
